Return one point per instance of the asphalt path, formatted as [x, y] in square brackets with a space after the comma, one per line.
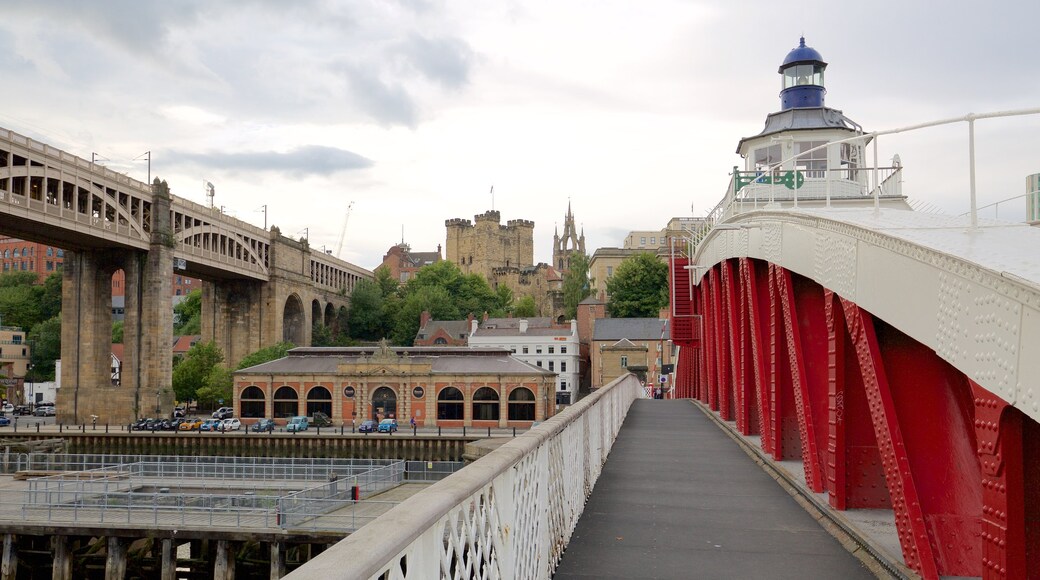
[679, 499]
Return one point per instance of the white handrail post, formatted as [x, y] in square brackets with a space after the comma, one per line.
[828, 173]
[971, 168]
[877, 189]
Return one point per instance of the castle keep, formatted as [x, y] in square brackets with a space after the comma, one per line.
[485, 244]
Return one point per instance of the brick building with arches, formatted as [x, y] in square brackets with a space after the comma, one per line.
[437, 386]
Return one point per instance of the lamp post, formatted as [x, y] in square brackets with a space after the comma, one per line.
[148, 155]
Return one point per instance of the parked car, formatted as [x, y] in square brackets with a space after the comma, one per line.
[232, 424]
[22, 410]
[264, 425]
[7, 408]
[192, 424]
[223, 413]
[367, 426]
[4, 421]
[297, 424]
[321, 419]
[178, 412]
[211, 425]
[388, 426]
[45, 411]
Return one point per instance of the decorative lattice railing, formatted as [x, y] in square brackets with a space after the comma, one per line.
[508, 515]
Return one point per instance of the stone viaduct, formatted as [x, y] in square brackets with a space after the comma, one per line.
[259, 287]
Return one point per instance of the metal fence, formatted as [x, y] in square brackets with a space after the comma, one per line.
[173, 491]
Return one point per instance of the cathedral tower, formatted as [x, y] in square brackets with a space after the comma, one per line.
[571, 243]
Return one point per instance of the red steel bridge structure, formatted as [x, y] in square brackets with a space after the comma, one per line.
[903, 379]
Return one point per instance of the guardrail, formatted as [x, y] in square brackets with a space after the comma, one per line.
[508, 515]
[244, 495]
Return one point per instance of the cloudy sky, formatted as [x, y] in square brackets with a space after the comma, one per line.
[414, 109]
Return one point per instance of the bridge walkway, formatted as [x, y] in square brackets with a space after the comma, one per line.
[679, 499]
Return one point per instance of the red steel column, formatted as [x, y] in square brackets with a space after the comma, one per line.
[719, 328]
[999, 431]
[835, 459]
[756, 281]
[743, 388]
[799, 380]
[910, 524]
[779, 376]
[727, 389]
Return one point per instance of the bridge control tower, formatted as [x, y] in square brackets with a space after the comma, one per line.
[809, 153]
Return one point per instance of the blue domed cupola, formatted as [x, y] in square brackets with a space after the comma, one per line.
[802, 74]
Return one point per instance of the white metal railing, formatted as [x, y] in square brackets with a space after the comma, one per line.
[872, 181]
[508, 515]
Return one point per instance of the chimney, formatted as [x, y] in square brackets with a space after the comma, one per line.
[485, 316]
[523, 326]
[424, 318]
[473, 325]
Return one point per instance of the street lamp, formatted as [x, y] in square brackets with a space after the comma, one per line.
[147, 154]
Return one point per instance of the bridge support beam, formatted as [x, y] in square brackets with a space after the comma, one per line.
[224, 561]
[277, 560]
[9, 559]
[237, 318]
[62, 567]
[115, 560]
[144, 381]
[168, 564]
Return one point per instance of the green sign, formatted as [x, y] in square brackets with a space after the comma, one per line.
[789, 179]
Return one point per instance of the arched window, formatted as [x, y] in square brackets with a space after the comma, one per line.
[521, 405]
[16, 252]
[384, 403]
[50, 251]
[449, 404]
[286, 402]
[485, 404]
[440, 340]
[319, 399]
[253, 403]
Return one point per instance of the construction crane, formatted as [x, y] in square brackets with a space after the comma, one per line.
[343, 232]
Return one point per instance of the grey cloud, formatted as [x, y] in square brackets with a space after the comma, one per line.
[387, 102]
[307, 160]
[444, 60]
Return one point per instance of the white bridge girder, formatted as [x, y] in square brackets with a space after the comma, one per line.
[970, 294]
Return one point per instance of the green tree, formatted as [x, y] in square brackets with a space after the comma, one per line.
[434, 299]
[525, 308]
[385, 281]
[365, 317]
[505, 299]
[117, 332]
[577, 285]
[16, 278]
[187, 314]
[45, 338]
[266, 354]
[50, 296]
[321, 335]
[219, 387]
[639, 287]
[444, 291]
[193, 371]
[19, 305]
